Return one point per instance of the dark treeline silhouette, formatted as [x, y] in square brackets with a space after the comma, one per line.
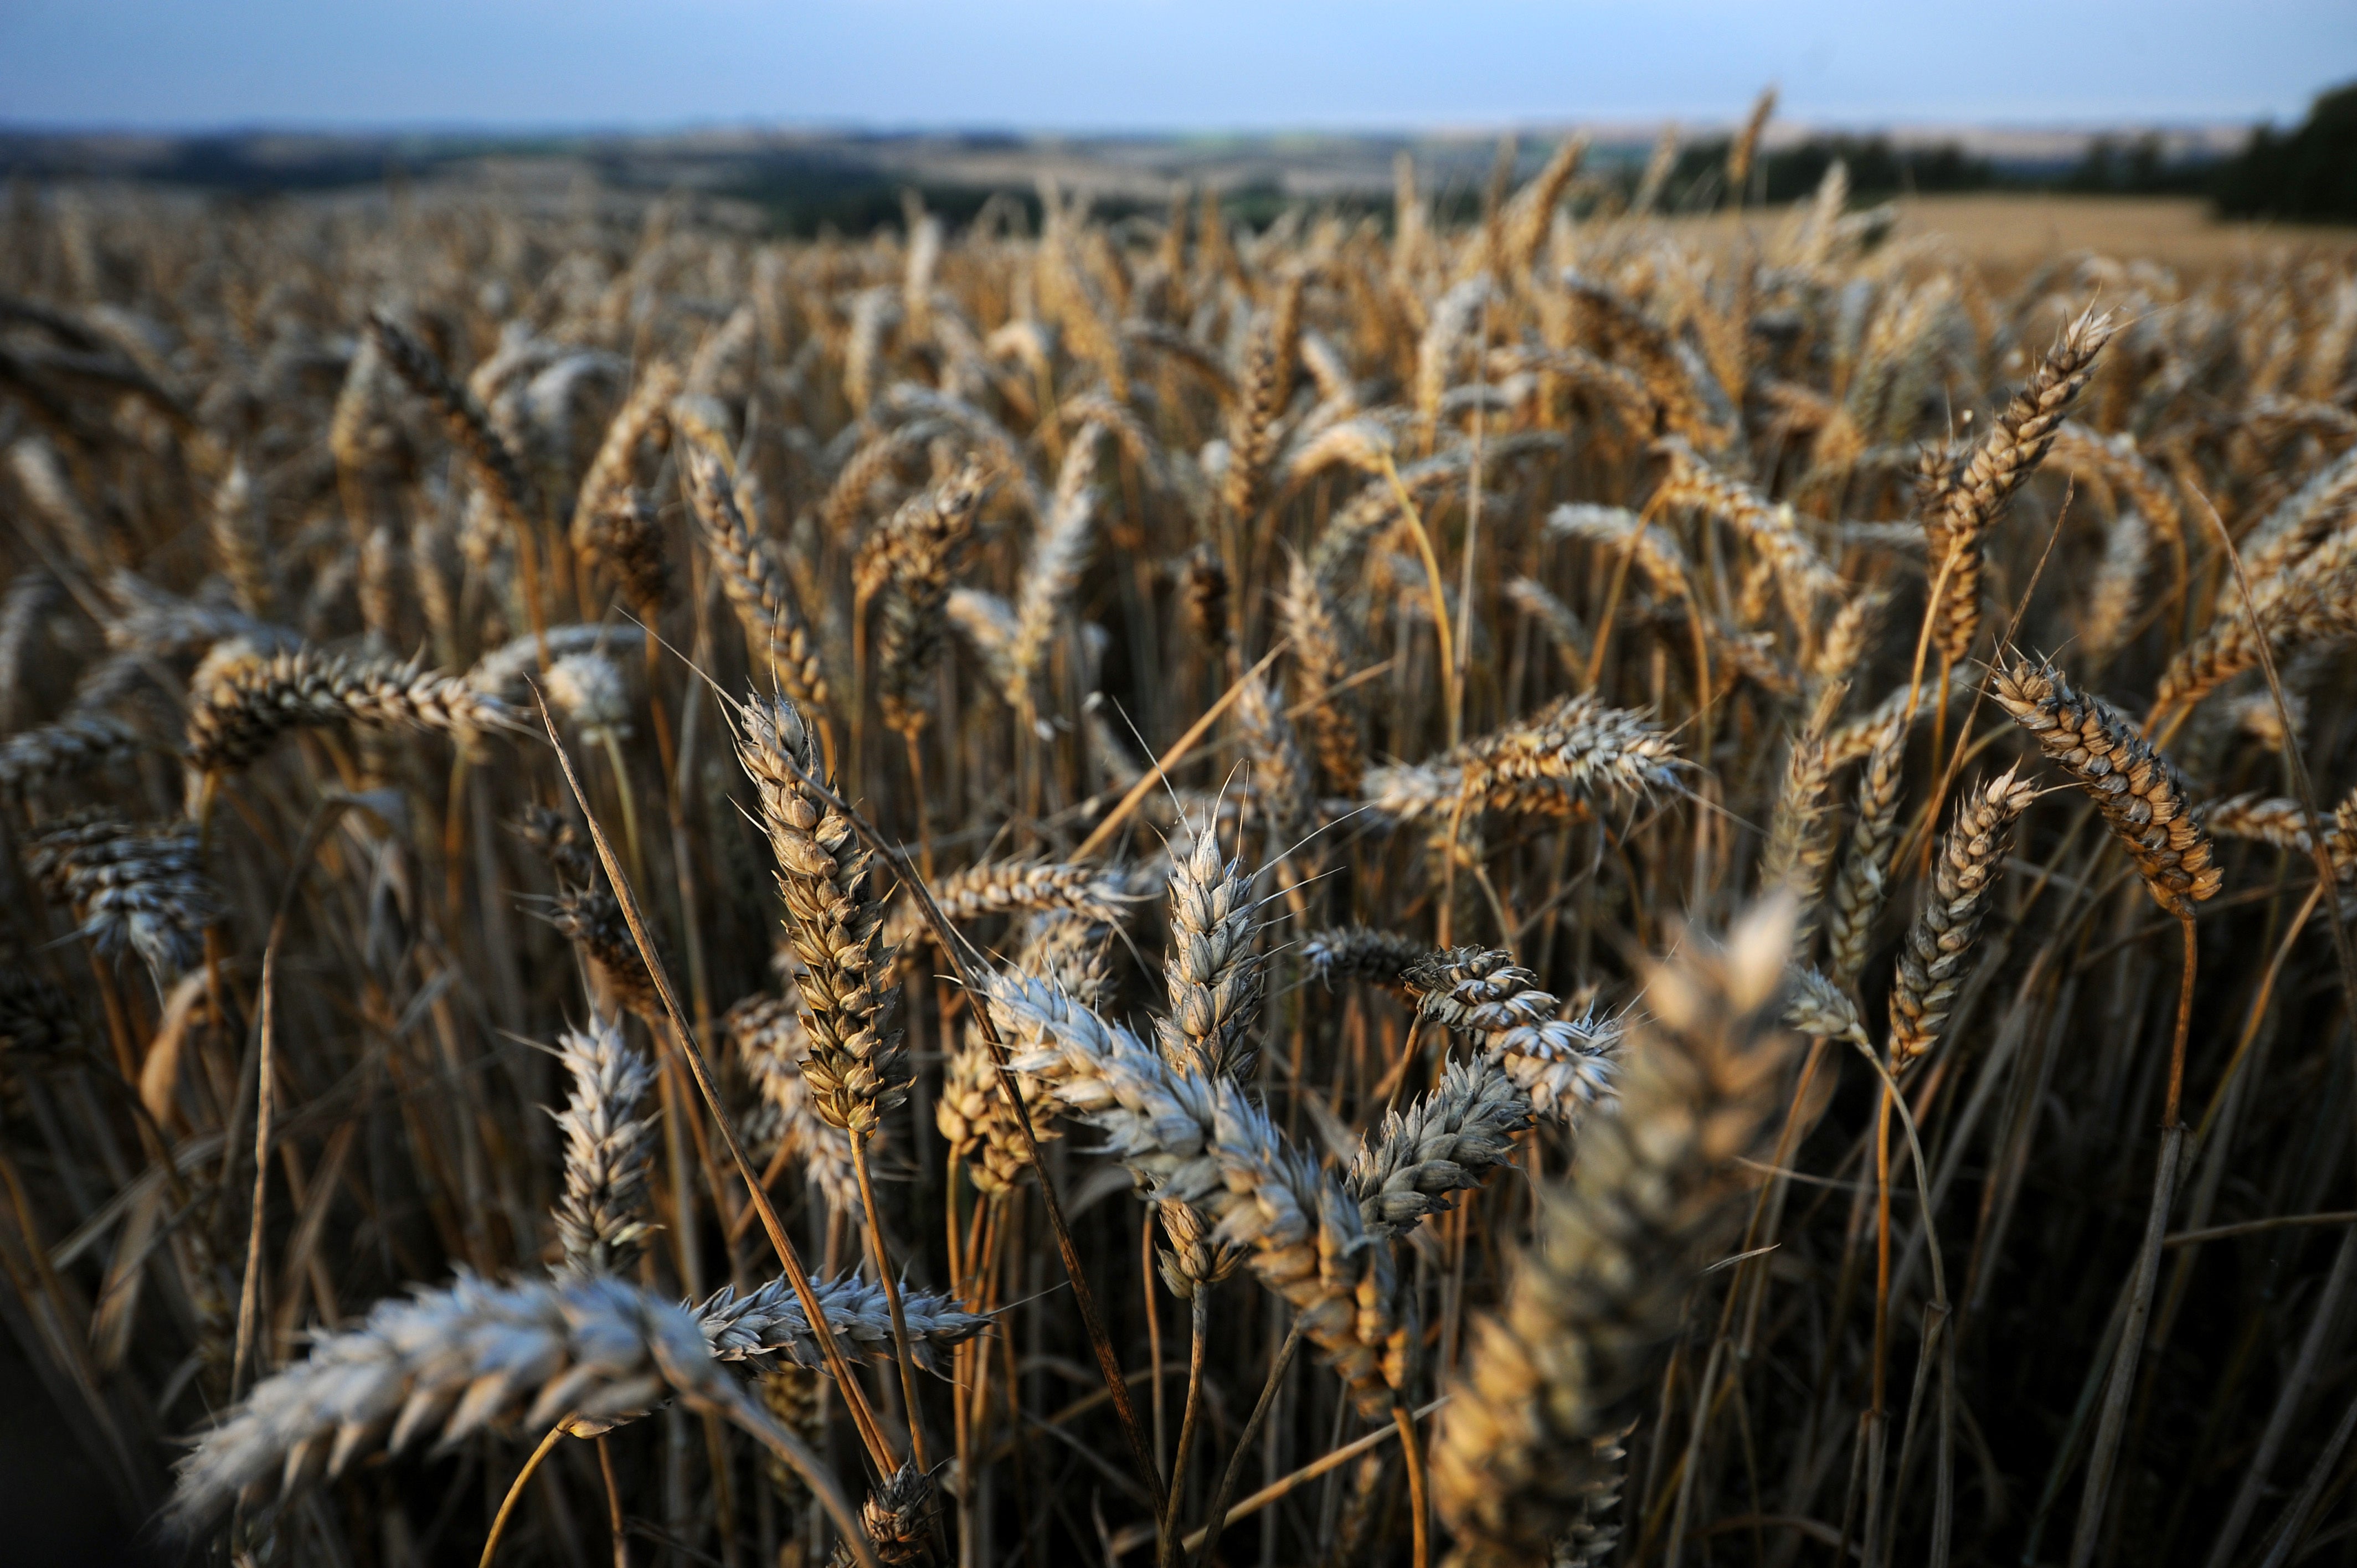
[2309, 175]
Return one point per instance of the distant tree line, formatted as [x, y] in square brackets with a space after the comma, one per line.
[2309, 175]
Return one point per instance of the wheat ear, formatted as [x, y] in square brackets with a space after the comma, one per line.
[1201, 1141]
[2141, 797]
[2002, 463]
[918, 551]
[144, 889]
[1214, 972]
[858, 1066]
[1526, 1456]
[757, 587]
[614, 523]
[767, 1032]
[1448, 1141]
[1058, 555]
[494, 465]
[603, 1215]
[1862, 884]
[1940, 944]
[1361, 953]
[1573, 754]
[1562, 1064]
[233, 720]
[48, 754]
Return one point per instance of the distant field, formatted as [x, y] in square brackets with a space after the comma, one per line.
[2002, 231]
[2014, 232]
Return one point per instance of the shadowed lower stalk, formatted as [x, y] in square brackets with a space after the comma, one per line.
[2087, 1537]
[1217, 1517]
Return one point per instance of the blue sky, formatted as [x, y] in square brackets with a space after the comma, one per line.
[1154, 65]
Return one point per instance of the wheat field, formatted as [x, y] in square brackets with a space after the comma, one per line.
[1564, 890]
